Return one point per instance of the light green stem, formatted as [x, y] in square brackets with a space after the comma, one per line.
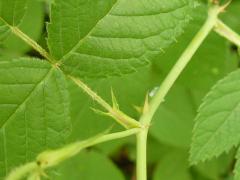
[119, 116]
[142, 154]
[33, 44]
[166, 86]
[181, 64]
[226, 32]
[15, 30]
[22, 171]
[52, 158]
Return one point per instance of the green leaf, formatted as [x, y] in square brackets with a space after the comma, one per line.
[113, 37]
[89, 166]
[174, 166]
[34, 113]
[31, 24]
[11, 12]
[217, 124]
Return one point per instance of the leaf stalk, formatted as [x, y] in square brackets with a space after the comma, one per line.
[115, 113]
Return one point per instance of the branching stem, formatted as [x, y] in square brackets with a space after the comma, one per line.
[166, 86]
[119, 116]
[181, 64]
[226, 32]
[52, 158]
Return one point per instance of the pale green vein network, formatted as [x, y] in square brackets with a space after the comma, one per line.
[87, 35]
[2, 125]
[38, 86]
[124, 36]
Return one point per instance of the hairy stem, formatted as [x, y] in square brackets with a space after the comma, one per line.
[33, 44]
[166, 86]
[22, 171]
[15, 30]
[226, 32]
[52, 158]
[119, 116]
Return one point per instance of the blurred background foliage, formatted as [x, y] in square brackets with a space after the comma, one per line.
[170, 134]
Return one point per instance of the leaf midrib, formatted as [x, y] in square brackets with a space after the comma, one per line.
[87, 35]
[27, 97]
[2, 127]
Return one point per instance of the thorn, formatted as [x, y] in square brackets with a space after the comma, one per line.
[114, 100]
[106, 114]
[138, 109]
[224, 7]
[215, 2]
[97, 111]
[108, 130]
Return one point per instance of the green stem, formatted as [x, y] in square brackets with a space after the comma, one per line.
[52, 158]
[22, 171]
[33, 44]
[142, 154]
[226, 32]
[91, 93]
[15, 30]
[119, 116]
[181, 64]
[166, 86]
